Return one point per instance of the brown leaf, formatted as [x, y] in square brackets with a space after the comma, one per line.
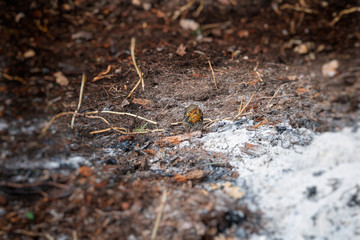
[150, 151]
[193, 175]
[124, 103]
[301, 90]
[29, 53]
[82, 35]
[177, 139]
[124, 138]
[143, 102]
[197, 75]
[85, 171]
[233, 191]
[61, 79]
[250, 146]
[3, 201]
[181, 50]
[330, 69]
[243, 33]
[292, 77]
[110, 168]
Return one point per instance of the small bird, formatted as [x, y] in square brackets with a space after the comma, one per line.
[193, 116]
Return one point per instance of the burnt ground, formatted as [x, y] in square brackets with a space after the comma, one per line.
[270, 55]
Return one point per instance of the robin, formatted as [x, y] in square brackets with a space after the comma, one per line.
[193, 116]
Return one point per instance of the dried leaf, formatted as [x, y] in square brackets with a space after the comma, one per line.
[150, 151]
[82, 35]
[232, 191]
[181, 50]
[85, 171]
[292, 77]
[301, 90]
[301, 49]
[19, 16]
[124, 138]
[177, 139]
[61, 79]
[29, 53]
[250, 146]
[197, 75]
[330, 69]
[243, 33]
[143, 102]
[189, 24]
[124, 103]
[193, 175]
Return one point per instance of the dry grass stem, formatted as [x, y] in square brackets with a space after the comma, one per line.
[213, 74]
[159, 214]
[99, 117]
[11, 78]
[43, 131]
[117, 129]
[129, 114]
[260, 124]
[243, 109]
[103, 74]
[74, 235]
[125, 131]
[132, 50]
[34, 234]
[257, 73]
[209, 121]
[215, 25]
[199, 9]
[241, 103]
[342, 13]
[182, 9]
[297, 8]
[83, 80]
[276, 92]
[137, 84]
[176, 123]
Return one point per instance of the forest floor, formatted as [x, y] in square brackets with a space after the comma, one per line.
[270, 75]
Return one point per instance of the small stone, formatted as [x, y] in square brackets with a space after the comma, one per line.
[110, 161]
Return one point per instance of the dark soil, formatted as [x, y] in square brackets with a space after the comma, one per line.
[253, 49]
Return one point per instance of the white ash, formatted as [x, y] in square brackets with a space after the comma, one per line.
[306, 184]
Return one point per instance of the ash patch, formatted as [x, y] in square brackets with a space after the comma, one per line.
[306, 184]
